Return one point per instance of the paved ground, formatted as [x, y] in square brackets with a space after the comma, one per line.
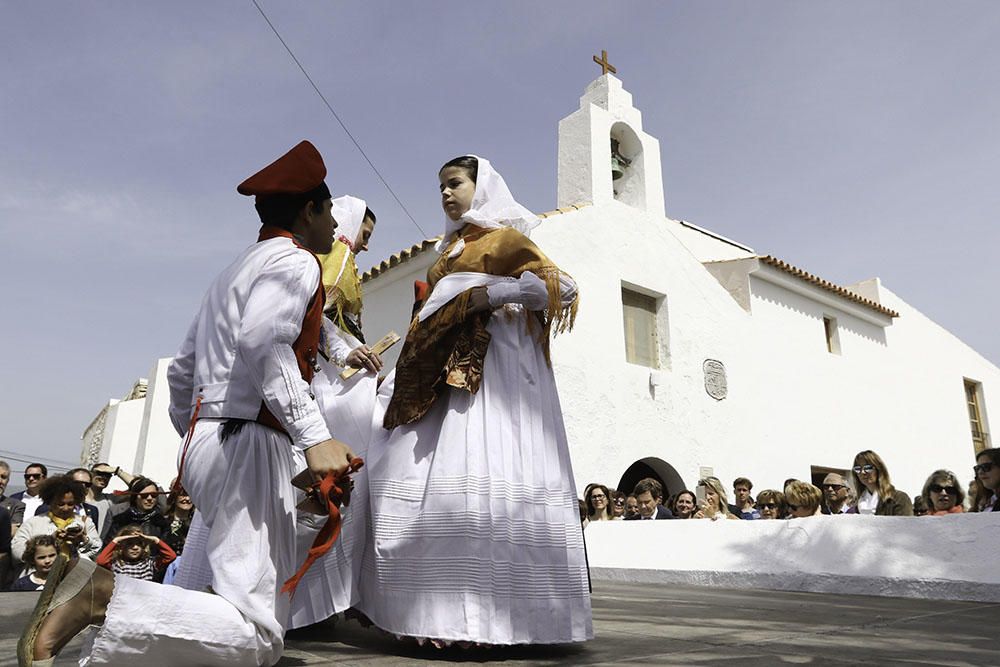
[674, 625]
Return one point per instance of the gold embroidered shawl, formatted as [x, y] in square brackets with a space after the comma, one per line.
[449, 347]
[343, 286]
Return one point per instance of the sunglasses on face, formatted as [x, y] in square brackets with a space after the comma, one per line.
[620, 503]
[937, 488]
[868, 467]
[769, 506]
[32, 475]
[147, 496]
[835, 487]
[979, 468]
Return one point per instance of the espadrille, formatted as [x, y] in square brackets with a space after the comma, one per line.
[60, 587]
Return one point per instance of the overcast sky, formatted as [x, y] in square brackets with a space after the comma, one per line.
[853, 139]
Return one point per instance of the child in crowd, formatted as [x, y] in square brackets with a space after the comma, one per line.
[40, 554]
[129, 553]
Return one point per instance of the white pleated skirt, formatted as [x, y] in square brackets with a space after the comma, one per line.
[332, 584]
[475, 525]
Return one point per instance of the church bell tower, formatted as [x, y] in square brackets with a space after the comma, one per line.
[604, 155]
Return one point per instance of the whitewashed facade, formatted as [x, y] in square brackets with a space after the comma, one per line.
[894, 382]
[758, 368]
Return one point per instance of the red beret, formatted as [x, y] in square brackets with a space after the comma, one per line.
[296, 172]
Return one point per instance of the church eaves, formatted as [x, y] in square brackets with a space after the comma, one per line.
[825, 284]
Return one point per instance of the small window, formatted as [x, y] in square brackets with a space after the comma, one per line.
[641, 340]
[832, 335]
[973, 392]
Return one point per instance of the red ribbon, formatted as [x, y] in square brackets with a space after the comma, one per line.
[178, 484]
[330, 489]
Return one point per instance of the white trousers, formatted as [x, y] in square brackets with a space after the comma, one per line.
[244, 548]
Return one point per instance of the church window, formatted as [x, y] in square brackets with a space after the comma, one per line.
[641, 339]
[832, 335]
[973, 396]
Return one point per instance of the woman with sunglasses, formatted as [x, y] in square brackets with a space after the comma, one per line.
[771, 504]
[143, 510]
[987, 482]
[877, 495]
[943, 494]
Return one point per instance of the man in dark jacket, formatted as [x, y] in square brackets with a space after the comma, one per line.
[649, 493]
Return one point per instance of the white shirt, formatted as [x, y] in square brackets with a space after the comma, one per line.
[238, 351]
[868, 502]
[31, 505]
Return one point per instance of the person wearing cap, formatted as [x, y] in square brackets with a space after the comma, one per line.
[332, 585]
[239, 392]
[836, 494]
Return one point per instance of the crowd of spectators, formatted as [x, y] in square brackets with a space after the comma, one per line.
[866, 489]
[138, 532]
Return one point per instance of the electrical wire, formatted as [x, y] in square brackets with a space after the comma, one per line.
[334, 113]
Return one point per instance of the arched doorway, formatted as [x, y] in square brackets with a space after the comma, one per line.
[657, 469]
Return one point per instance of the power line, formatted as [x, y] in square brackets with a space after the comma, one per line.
[50, 466]
[40, 459]
[344, 127]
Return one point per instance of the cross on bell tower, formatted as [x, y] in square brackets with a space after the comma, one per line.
[605, 65]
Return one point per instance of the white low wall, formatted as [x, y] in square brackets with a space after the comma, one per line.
[946, 558]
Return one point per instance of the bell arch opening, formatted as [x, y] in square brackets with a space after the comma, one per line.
[627, 163]
[656, 468]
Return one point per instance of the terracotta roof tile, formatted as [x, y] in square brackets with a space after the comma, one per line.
[825, 284]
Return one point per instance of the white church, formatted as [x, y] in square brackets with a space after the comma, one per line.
[692, 353]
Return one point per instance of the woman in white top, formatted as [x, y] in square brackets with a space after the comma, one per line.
[73, 530]
[876, 494]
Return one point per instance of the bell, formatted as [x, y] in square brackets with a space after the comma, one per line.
[617, 170]
[618, 161]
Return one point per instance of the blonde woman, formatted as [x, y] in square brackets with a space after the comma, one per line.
[803, 500]
[876, 494]
[716, 503]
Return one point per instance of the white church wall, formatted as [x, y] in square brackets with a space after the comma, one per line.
[388, 299]
[158, 442]
[614, 414]
[121, 435]
[948, 557]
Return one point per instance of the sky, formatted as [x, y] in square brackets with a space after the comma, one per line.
[851, 138]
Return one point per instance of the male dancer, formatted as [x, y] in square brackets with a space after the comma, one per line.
[239, 388]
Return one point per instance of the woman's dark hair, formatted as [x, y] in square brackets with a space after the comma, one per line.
[369, 214]
[683, 492]
[172, 500]
[467, 162]
[993, 454]
[32, 545]
[56, 487]
[137, 485]
[281, 210]
[591, 510]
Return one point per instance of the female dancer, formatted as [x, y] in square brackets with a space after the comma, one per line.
[332, 585]
[476, 530]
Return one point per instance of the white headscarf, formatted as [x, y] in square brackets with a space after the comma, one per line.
[349, 212]
[493, 206]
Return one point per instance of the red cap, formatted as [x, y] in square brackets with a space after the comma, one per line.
[296, 172]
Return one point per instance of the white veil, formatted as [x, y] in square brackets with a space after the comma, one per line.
[349, 212]
[493, 206]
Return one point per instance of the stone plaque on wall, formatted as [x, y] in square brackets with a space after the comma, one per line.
[715, 379]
